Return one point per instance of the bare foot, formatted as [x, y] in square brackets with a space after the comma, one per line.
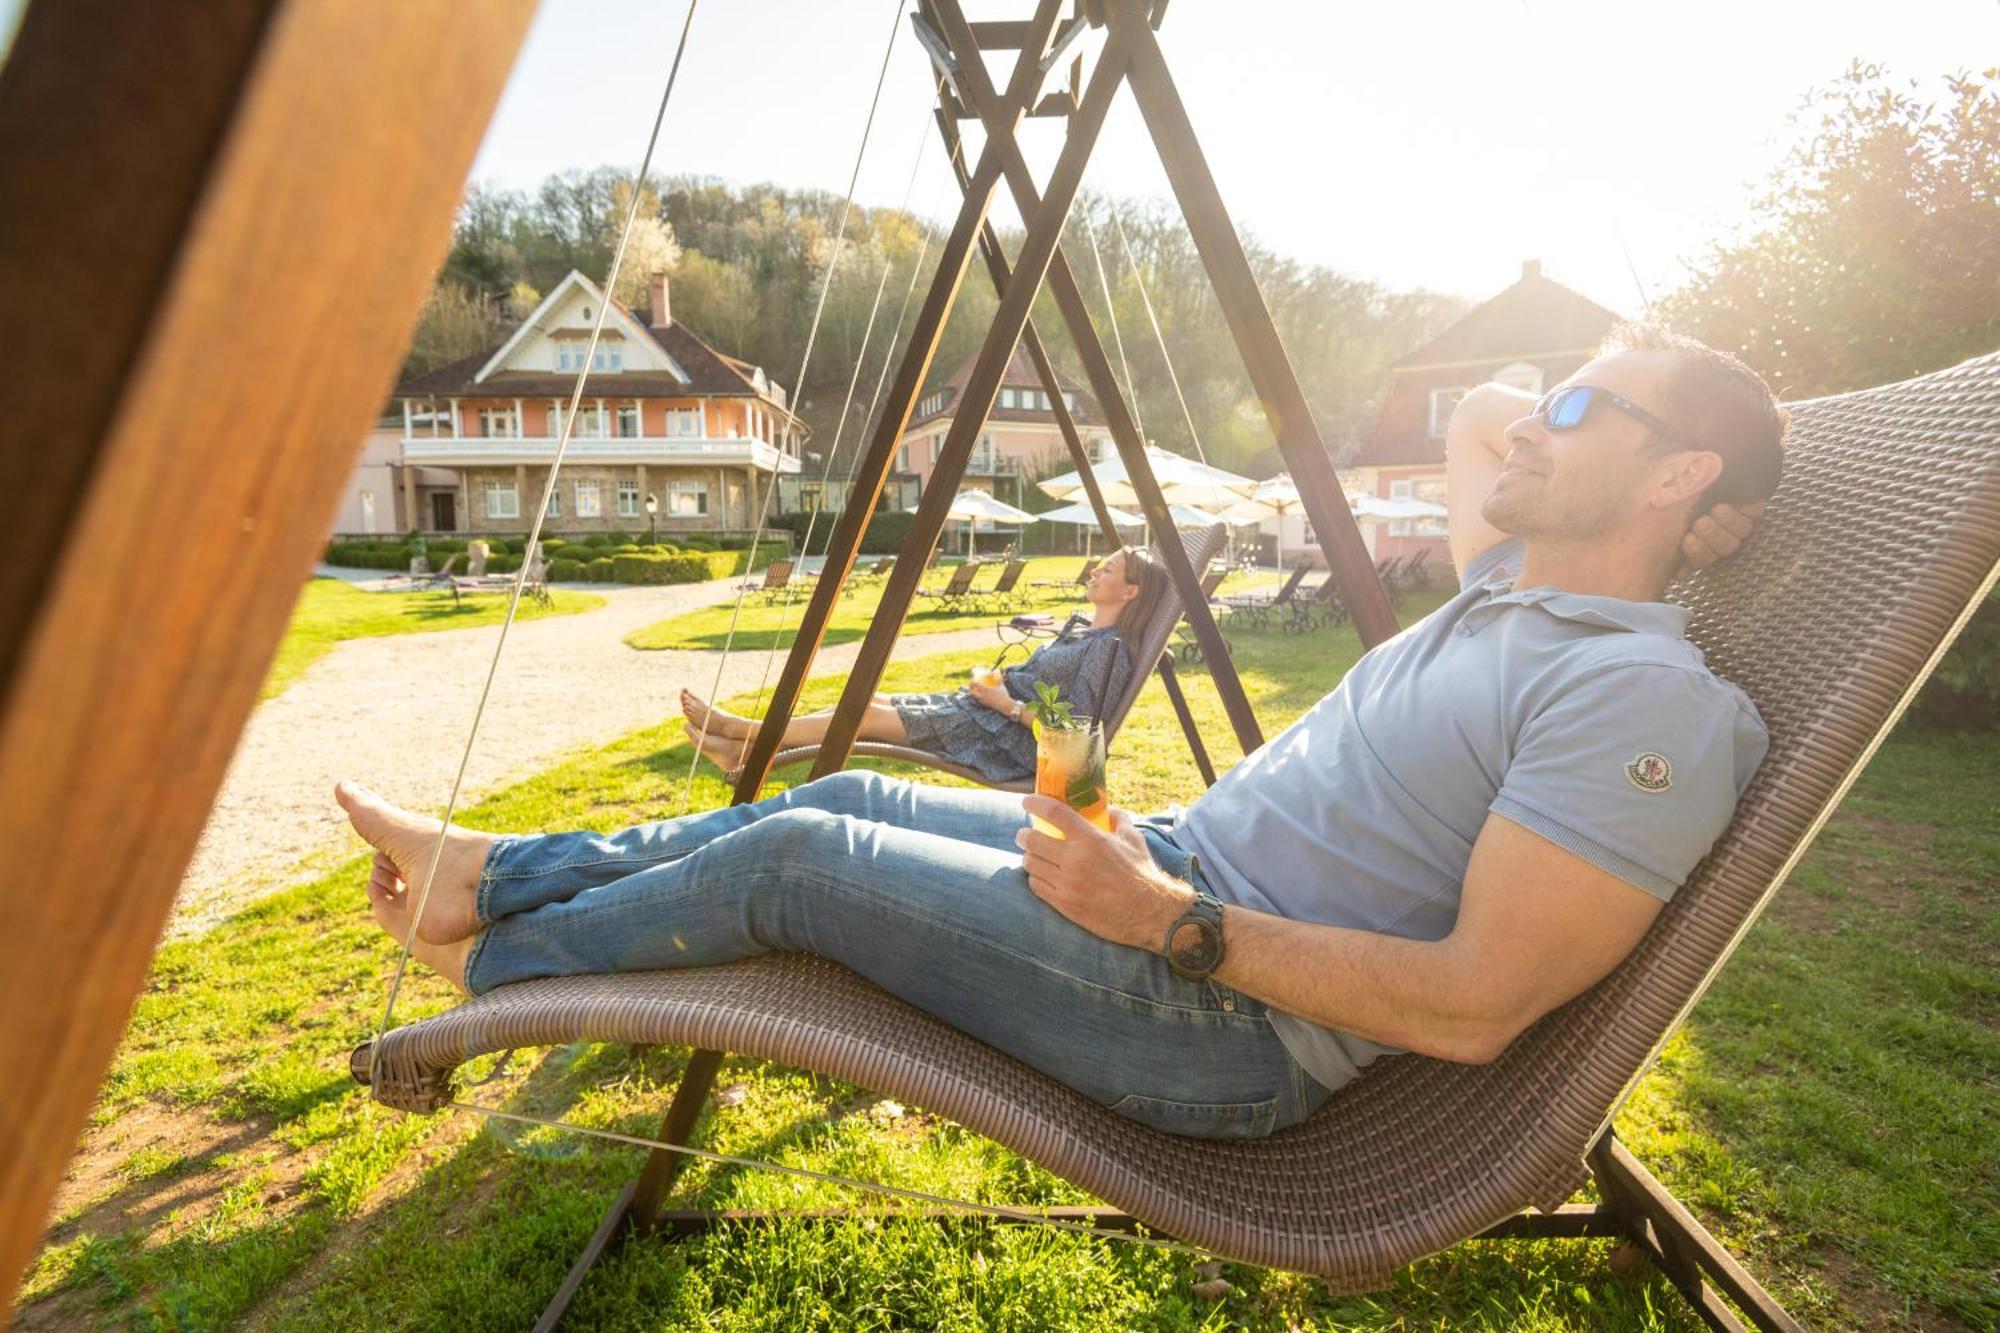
[724, 753]
[403, 845]
[721, 722]
[391, 910]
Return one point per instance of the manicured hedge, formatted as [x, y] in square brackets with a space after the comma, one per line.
[567, 571]
[599, 571]
[569, 561]
[884, 535]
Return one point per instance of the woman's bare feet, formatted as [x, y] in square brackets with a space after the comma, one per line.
[403, 845]
[391, 909]
[724, 753]
[721, 722]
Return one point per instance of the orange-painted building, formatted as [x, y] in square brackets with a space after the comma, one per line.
[664, 415]
[1018, 442]
[1532, 335]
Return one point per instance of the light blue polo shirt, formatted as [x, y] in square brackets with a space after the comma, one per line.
[1591, 721]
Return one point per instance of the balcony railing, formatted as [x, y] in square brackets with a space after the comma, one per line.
[993, 465]
[467, 450]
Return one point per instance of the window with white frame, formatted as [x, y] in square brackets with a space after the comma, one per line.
[1046, 407]
[902, 458]
[687, 499]
[1443, 403]
[555, 502]
[1431, 490]
[1006, 398]
[499, 423]
[628, 499]
[1069, 401]
[937, 447]
[502, 500]
[684, 423]
[628, 421]
[589, 501]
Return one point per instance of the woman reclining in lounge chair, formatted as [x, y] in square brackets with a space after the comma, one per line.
[983, 727]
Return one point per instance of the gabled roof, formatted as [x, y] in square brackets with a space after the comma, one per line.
[498, 360]
[1537, 316]
[699, 369]
[1020, 374]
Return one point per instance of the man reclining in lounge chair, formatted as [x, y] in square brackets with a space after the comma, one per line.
[1476, 826]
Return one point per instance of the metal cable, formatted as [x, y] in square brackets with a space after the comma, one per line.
[535, 528]
[840, 427]
[1117, 337]
[804, 1173]
[798, 388]
[1125, 244]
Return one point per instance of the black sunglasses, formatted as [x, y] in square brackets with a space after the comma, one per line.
[1569, 407]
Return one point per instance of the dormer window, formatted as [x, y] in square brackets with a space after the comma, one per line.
[570, 354]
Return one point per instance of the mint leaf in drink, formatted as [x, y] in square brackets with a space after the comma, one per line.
[1051, 710]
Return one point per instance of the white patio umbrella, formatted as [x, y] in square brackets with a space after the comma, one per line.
[1085, 517]
[1375, 509]
[971, 506]
[1182, 481]
[1274, 497]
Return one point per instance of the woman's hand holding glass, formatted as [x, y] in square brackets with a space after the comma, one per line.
[993, 694]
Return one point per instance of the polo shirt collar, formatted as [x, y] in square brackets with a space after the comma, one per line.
[1585, 609]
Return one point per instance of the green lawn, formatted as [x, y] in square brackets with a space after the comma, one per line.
[1830, 1111]
[763, 627]
[330, 610]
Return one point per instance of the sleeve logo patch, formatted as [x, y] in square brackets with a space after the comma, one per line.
[1650, 772]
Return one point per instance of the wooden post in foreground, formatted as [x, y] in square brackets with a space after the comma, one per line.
[189, 199]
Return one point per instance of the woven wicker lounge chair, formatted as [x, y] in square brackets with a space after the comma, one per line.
[1889, 519]
[1152, 643]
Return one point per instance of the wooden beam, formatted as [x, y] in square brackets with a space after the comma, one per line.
[189, 200]
[872, 472]
[982, 385]
[1104, 385]
[1257, 340]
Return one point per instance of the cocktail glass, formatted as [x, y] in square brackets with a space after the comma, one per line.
[987, 675]
[1069, 766]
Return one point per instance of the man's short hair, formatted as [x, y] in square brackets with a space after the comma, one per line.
[1718, 404]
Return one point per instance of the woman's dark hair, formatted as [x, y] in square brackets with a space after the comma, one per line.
[1150, 577]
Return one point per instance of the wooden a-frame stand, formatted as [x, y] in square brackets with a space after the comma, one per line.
[175, 186]
[1636, 1207]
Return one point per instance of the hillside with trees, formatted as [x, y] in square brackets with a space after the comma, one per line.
[747, 263]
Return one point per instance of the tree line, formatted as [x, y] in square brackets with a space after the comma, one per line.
[1871, 253]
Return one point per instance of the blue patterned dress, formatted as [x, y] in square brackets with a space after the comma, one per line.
[1090, 667]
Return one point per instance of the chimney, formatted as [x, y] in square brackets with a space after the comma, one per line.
[1530, 268]
[661, 314]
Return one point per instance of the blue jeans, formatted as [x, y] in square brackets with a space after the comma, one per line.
[919, 889]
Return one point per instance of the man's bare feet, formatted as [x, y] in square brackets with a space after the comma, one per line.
[721, 722]
[724, 753]
[403, 845]
[391, 909]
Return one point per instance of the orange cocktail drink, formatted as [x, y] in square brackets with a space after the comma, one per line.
[1069, 766]
[988, 675]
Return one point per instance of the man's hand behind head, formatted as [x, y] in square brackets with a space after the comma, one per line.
[1716, 535]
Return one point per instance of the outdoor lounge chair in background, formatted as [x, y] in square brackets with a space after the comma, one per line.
[781, 576]
[1006, 595]
[1880, 545]
[1082, 576]
[958, 592]
[1256, 609]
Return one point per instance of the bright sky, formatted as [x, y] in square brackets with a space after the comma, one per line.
[1434, 142]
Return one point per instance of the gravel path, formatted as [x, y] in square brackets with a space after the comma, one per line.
[394, 713]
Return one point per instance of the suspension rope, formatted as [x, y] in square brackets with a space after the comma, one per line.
[798, 389]
[1117, 337]
[804, 1173]
[846, 406]
[1139, 278]
[535, 529]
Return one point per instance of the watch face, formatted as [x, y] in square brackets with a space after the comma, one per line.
[1197, 946]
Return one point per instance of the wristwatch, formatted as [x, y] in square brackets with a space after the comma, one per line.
[1193, 946]
[1016, 714]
